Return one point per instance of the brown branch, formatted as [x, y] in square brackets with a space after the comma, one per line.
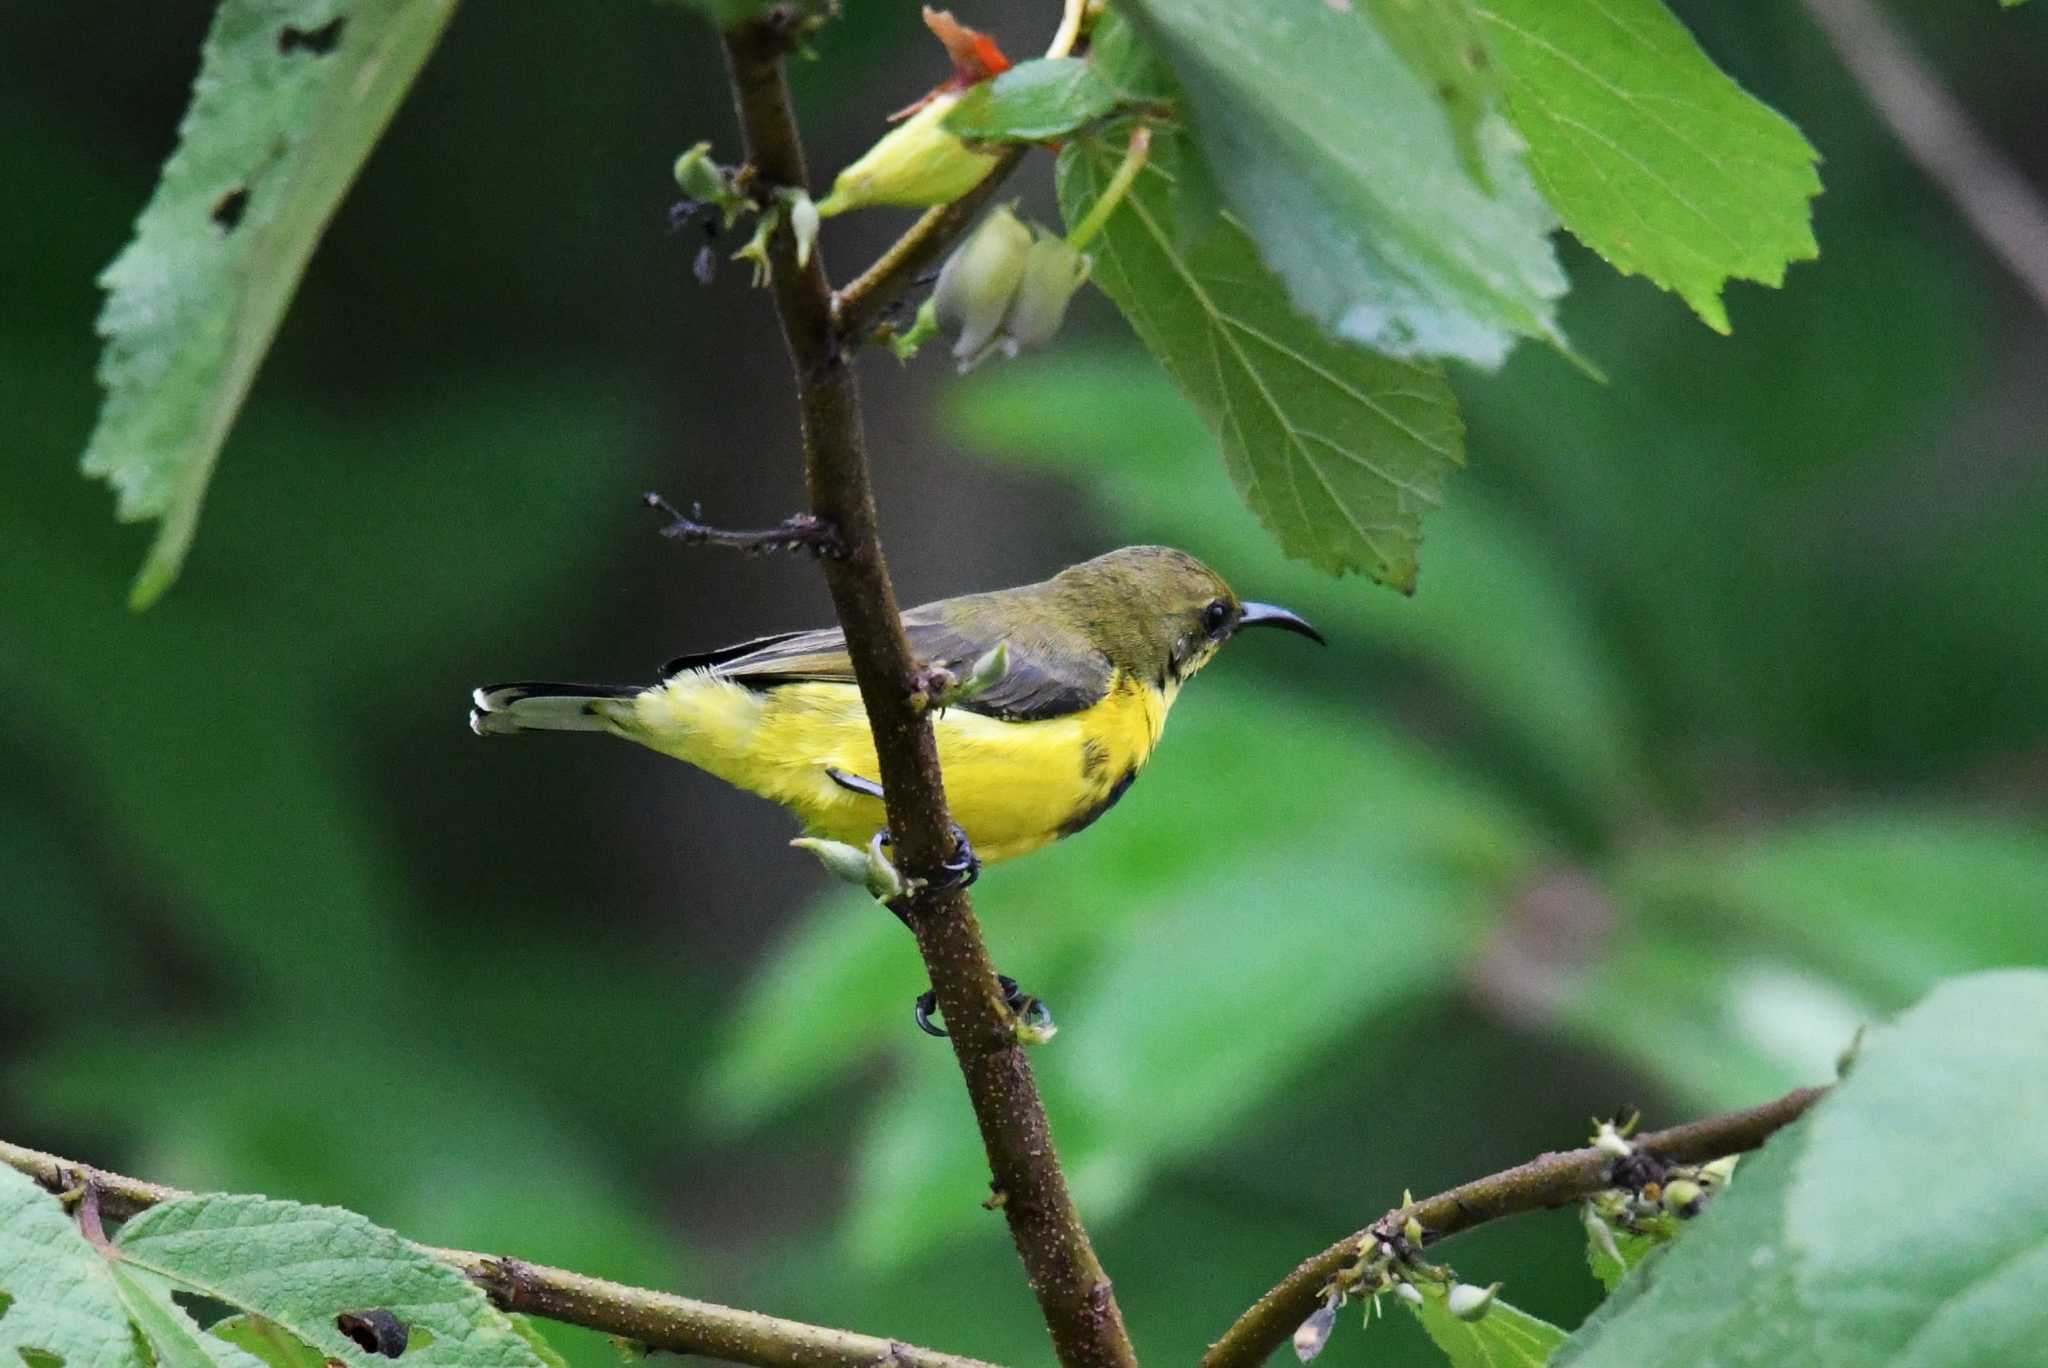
[1548, 1181]
[1073, 1292]
[865, 301]
[1992, 194]
[660, 1320]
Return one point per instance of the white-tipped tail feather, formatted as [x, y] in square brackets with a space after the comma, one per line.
[502, 709]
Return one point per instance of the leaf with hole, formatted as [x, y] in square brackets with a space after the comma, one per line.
[1338, 451]
[291, 96]
[315, 1270]
[1650, 154]
[1392, 202]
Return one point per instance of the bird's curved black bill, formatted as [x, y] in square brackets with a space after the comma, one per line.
[1267, 615]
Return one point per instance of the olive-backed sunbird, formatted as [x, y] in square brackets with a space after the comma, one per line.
[1096, 655]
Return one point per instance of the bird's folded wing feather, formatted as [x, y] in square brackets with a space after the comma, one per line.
[1052, 672]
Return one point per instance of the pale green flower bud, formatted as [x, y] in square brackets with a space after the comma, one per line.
[983, 675]
[1718, 1173]
[803, 222]
[1408, 1292]
[915, 164]
[980, 278]
[1469, 1303]
[1683, 1196]
[1052, 273]
[841, 861]
[1314, 1333]
[699, 178]
[1608, 1140]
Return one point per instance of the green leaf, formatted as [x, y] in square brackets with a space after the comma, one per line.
[301, 1266]
[1034, 101]
[268, 1341]
[290, 97]
[174, 1336]
[1337, 450]
[56, 1297]
[1617, 1254]
[1333, 146]
[1650, 154]
[1805, 1260]
[1504, 1337]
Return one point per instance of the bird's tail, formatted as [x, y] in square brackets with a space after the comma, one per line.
[533, 705]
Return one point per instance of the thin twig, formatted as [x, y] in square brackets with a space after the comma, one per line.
[799, 531]
[660, 1320]
[1994, 197]
[1073, 1292]
[1549, 1181]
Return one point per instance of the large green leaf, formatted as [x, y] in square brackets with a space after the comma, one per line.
[1337, 450]
[56, 1297]
[1332, 142]
[302, 1266]
[1505, 1337]
[290, 97]
[1804, 1260]
[1652, 156]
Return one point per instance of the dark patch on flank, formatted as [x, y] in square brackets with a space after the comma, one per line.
[1094, 758]
[1087, 816]
[228, 209]
[319, 41]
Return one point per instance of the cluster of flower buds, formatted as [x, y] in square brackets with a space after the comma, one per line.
[1006, 287]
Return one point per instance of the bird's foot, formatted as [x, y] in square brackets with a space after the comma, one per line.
[958, 870]
[1034, 1018]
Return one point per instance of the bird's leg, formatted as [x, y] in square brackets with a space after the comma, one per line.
[799, 531]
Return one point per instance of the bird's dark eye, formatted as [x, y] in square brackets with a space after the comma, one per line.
[1214, 616]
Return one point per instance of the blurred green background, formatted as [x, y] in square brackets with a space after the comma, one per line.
[1719, 724]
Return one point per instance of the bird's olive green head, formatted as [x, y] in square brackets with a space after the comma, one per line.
[1157, 613]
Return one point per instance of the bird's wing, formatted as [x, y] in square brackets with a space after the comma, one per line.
[1049, 676]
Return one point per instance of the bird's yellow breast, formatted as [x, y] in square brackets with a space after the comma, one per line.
[1013, 786]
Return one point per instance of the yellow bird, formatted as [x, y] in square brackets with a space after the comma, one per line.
[1096, 656]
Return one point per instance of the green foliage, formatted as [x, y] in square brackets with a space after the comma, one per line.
[1650, 155]
[1033, 101]
[1337, 450]
[292, 1269]
[291, 96]
[301, 1266]
[1504, 1337]
[1805, 1260]
[1365, 209]
[56, 1294]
